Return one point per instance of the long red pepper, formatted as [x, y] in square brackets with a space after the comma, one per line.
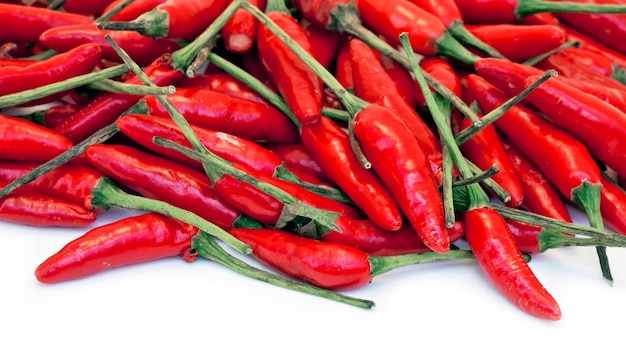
[224, 83]
[239, 33]
[133, 10]
[299, 86]
[142, 49]
[131, 240]
[318, 11]
[296, 156]
[238, 116]
[588, 42]
[324, 42]
[26, 141]
[29, 207]
[613, 205]
[444, 72]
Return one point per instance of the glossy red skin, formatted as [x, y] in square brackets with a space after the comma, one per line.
[16, 62]
[75, 62]
[324, 42]
[297, 83]
[162, 179]
[343, 65]
[497, 253]
[123, 242]
[32, 21]
[613, 205]
[373, 84]
[108, 106]
[239, 33]
[488, 11]
[223, 83]
[143, 128]
[187, 19]
[241, 117]
[597, 124]
[526, 236]
[390, 18]
[296, 156]
[70, 181]
[540, 196]
[441, 70]
[330, 148]
[402, 78]
[590, 59]
[542, 18]
[29, 207]
[590, 43]
[133, 10]
[485, 149]
[520, 42]
[326, 265]
[364, 235]
[318, 11]
[445, 10]
[563, 159]
[24, 140]
[142, 49]
[396, 156]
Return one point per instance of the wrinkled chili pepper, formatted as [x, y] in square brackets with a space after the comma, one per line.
[142, 49]
[326, 265]
[166, 180]
[26, 141]
[29, 207]
[239, 33]
[77, 61]
[127, 241]
[238, 116]
[299, 86]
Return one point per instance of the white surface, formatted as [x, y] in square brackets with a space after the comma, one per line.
[174, 306]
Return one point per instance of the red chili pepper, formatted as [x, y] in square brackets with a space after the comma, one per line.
[330, 147]
[25, 206]
[402, 78]
[296, 156]
[16, 62]
[92, 8]
[318, 11]
[597, 124]
[299, 86]
[586, 58]
[542, 18]
[396, 156]
[526, 236]
[107, 107]
[590, 43]
[373, 84]
[239, 33]
[23, 140]
[28, 22]
[613, 205]
[324, 42]
[442, 71]
[78, 61]
[163, 179]
[132, 10]
[520, 42]
[131, 240]
[143, 50]
[238, 116]
[496, 251]
[54, 115]
[446, 10]
[252, 64]
[540, 196]
[224, 83]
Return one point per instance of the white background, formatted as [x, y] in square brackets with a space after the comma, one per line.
[174, 306]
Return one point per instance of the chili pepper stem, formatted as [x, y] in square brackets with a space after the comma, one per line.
[550, 239]
[106, 195]
[382, 264]
[447, 165]
[208, 248]
[539, 58]
[460, 32]
[154, 23]
[587, 196]
[529, 7]
[447, 45]
[127, 88]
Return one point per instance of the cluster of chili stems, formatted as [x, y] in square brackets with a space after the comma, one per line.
[329, 178]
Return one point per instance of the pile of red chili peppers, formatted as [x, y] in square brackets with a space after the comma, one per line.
[331, 140]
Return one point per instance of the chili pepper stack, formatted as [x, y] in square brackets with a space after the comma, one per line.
[330, 140]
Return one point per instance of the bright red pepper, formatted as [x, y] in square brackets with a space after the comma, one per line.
[613, 205]
[586, 58]
[446, 10]
[131, 240]
[133, 10]
[24, 140]
[542, 18]
[442, 71]
[402, 78]
[575, 35]
[239, 33]
[296, 156]
[29, 207]
[16, 62]
[224, 83]
[318, 11]
[330, 148]
[238, 116]
[143, 50]
[526, 236]
[53, 116]
[324, 42]
[396, 156]
[497, 253]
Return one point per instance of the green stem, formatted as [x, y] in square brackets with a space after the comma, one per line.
[448, 46]
[336, 114]
[222, 167]
[114, 11]
[128, 88]
[479, 177]
[106, 195]
[154, 23]
[529, 7]
[18, 98]
[208, 248]
[382, 264]
[458, 30]
[491, 184]
[549, 239]
[332, 193]
[446, 164]
[56, 4]
[539, 58]
[46, 54]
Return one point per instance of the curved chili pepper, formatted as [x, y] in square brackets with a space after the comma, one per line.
[426, 33]
[519, 42]
[613, 205]
[590, 43]
[163, 179]
[26, 141]
[32, 21]
[296, 156]
[497, 253]
[330, 148]
[586, 58]
[16, 62]
[142, 49]
[107, 107]
[131, 240]
[373, 84]
[238, 116]
[597, 124]
[174, 19]
[78, 61]
[133, 10]
[396, 156]
[299, 86]
[239, 33]
[324, 42]
[29, 207]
